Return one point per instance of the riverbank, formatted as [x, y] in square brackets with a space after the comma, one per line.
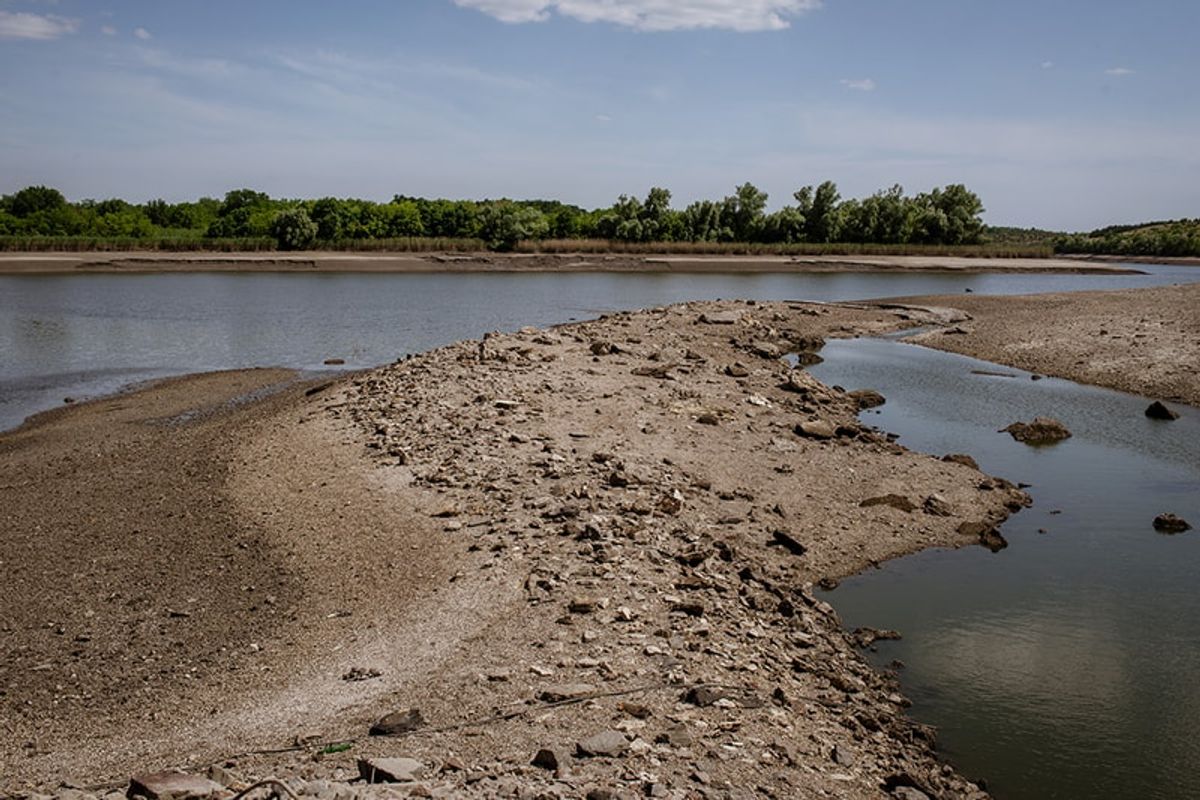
[606, 528]
[341, 262]
[1143, 341]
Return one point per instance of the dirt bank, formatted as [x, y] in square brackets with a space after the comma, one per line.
[608, 528]
[1145, 341]
[149, 262]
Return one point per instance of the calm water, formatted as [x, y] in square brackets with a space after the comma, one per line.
[1068, 665]
[83, 335]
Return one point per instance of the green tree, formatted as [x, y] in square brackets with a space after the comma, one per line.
[293, 229]
[503, 224]
[742, 213]
[35, 199]
[820, 210]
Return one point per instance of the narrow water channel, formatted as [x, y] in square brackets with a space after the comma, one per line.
[1067, 665]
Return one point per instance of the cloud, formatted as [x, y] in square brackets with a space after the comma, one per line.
[603, 118]
[108, 30]
[142, 34]
[861, 85]
[21, 25]
[1048, 65]
[653, 15]
[1118, 71]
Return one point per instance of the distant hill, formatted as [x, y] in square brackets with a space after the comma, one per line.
[1179, 238]
[1000, 234]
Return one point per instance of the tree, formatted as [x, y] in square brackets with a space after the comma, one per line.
[820, 210]
[34, 199]
[503, 224]
[293, 229]
[742, 212]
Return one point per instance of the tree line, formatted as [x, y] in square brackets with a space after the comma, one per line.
[1177, 238]
[941, 216]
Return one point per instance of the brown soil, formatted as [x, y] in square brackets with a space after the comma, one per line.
[38, 263]
[600, 504]
[1144, 341]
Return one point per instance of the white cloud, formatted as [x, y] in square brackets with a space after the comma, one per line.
[142, 34]
[861, 84]
[108, 30]
[21, 25]
[1118, 71]
[603, 118]
[653, 15]
[1048, 65]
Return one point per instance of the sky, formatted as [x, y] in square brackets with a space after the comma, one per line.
[1064, 114]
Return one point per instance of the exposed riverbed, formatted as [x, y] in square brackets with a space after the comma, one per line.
[1063, 666]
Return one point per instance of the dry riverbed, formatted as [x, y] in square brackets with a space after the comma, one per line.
[1144, 341]
[579, 562]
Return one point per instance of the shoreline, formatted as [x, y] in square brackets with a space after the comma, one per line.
[1140, 341]
[416, 263]
[687, 521]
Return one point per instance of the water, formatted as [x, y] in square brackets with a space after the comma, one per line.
[84, 335]
[1066, 665]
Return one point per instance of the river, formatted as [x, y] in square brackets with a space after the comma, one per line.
[80, 336]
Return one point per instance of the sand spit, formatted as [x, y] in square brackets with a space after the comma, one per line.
[1144, 341]
[598, 541]
[311, 262]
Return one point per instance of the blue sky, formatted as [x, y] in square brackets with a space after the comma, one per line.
[1059, 113]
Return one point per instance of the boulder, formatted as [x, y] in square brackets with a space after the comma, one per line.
[1042, 431]
[896, 501]
[961, 458]
[1169, 523]
[1158, 410]
[816, 429]
[867, 398]
[565, 691]
[398, 722]
[721, 317]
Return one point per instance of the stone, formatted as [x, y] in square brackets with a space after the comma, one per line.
[398, 722]
[720, 318]
[896, 501]
[961, 458]
[867, 398]
[610, 744]
[1042, 431]
[1169, 523]
[865, 637]
[909, 793]
[565, 691]
[704, 696]
[582, 605]
[781, 538]
[795, 383]
[842, 756]
[174, 785]
[675, 737]
[708, 419]
[737, 370]
[1158, 410]
[549, 759]
[390, 770]
[816, 429]
[938, 506]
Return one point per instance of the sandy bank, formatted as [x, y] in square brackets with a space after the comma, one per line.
[149, 262]
[1144, 341]
[626, 515]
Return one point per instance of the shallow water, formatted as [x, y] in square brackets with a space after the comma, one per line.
[1066, 665]
[84, 335]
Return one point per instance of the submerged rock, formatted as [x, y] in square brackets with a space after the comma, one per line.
[1158, 410]
[1042, 431]
[867, 398]
[1169, 523]
[961, 458]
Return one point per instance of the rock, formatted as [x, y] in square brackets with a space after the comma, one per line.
[398, 722]
[816, 429]
[1169, 523]
[549, 759]
[676, 737]
[737, 370]
[601, 348]
[960, 458]
[795, 383]
[987, 534]
[785, 540]
[937, 506]
[708, 419]
[1042, 431]
[896, 501]
[721, 318]
[765, 349]
[334, 362]
[865, 637]
[909, 793]
[565, 691]
[842, 756]
[174, 785]
[583, 605]
[610, 743]
[704, 696]
[807, 359]
[662, 372]
[1157, 410]
[867, 398]
[390, 770]
[635, 709]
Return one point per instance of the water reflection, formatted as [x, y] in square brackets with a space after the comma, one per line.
[1062, 666]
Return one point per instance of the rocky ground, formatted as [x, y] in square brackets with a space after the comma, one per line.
[1144, 341]
[569, 562]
